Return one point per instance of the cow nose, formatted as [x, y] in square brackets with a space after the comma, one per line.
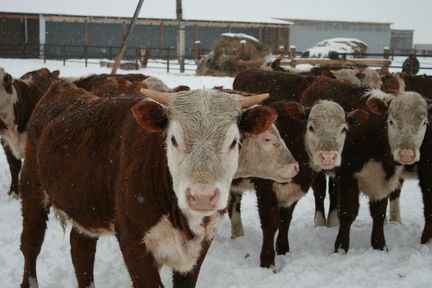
[328, 158]
[287, 172]
[201, 198]
[406, 156]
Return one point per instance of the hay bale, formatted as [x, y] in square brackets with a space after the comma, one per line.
[233, 53]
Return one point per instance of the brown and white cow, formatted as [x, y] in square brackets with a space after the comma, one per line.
[315, 134]
[373, 156]
[18, 97]
[156, 174]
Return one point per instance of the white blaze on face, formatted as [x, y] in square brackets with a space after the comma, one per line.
[202, 150]
[406, 122]
[325, 135]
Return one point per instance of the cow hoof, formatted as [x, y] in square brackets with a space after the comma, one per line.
[14, 195]
[319, 219]
[341, 251]
[237, 233]
[282, 250]
[382, 248]
[273, 269]
[395, 219]
[333, 219]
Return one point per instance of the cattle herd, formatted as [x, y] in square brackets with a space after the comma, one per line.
[158, 168]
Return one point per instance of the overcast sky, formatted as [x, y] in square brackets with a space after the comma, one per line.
[404, 14]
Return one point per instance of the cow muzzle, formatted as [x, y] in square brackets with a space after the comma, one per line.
[202, 198]
[328, 158]
[406, 156]
[287, 172]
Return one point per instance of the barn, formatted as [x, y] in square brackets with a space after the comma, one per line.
[30, 35]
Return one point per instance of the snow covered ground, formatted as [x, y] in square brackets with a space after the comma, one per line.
[233, 263]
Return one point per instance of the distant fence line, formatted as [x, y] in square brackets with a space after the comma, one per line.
[139, 54]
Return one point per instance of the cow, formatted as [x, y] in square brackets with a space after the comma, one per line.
[421, 84]
[281, 85]
[108, 85]
[373, 157]
[315, 134]
[155, 173]
[18, 97]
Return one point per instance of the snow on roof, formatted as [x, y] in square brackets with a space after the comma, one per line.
[240, 35]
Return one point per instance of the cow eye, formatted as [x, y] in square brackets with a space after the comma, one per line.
[174, 141]
[344, 130]
[311, 129]
[233, 144]
[390, 122]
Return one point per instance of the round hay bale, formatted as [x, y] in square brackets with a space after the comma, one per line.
[232, 53]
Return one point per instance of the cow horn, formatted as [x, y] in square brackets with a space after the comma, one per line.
[159, 97]
[252, 100]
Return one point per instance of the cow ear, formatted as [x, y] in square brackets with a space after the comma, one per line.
[55, 73]
[377, 106]
[430, 111]
[180, 88]
[357, 117]
[257, 120]
[7, 81]
[296, 111]
[360, 76]
[150, 115]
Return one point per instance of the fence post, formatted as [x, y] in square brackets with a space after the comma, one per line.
[85, 54]
[386, 56]
[64, 54]
[44, 54]
[242, 50]
[168, 59]
[197, 51]
[110, 53]
[292, 55]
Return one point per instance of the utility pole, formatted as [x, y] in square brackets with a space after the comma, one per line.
[126, 39]
[180, 36]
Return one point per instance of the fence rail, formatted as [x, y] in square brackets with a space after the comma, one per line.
[136, 54]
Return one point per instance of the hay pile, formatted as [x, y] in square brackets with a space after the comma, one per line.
[226, 58]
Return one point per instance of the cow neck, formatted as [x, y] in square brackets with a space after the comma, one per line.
[180, 222]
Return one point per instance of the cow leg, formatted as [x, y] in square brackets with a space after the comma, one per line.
[333, 217]
[143, 269]
[15, 168]
[319, 188]
[348, 210]
[189, 280]
[282, 242]
[83, 250]
[235, 215]
[269, 215]
[35, 210]
[395, 205]
[378, 211]
[425, 181]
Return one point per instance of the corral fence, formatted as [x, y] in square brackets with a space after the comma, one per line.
[138, 56]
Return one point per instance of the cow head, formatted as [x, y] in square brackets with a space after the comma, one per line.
[5, 83]
[202, 142]
[8, 96]
[326, 128]
[265, 155]
[407, 118]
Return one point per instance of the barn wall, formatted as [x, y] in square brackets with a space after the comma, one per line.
[12, 35]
